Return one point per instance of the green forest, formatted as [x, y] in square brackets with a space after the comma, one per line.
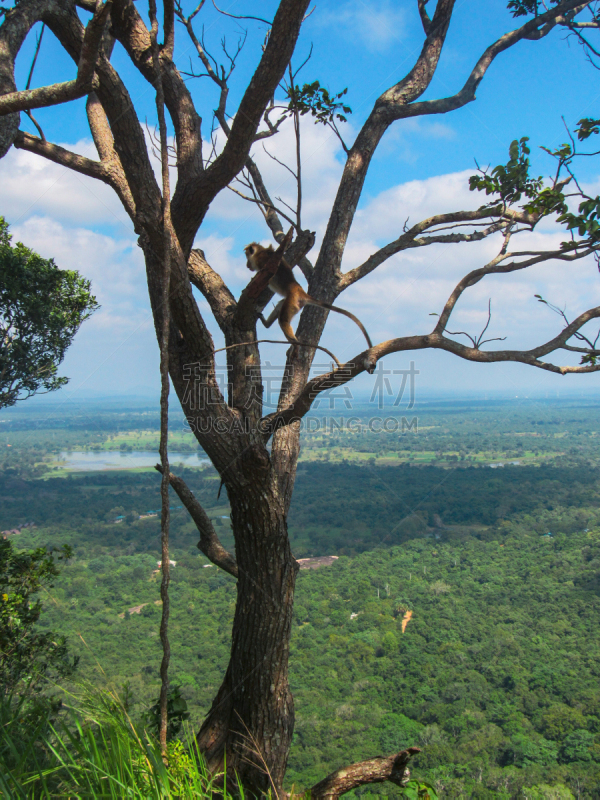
[495, 676]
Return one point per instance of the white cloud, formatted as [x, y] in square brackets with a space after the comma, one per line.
[384, 216]
[321, 170]
[377, 25]
[32, 185]
[116, 348]
[67, 217]
[404, 141]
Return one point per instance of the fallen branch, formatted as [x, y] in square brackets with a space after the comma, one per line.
[375, 770]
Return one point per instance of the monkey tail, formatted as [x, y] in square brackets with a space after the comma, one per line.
[346, 314]
[291, 337]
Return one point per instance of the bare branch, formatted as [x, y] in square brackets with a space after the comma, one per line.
[38, 44]
[209, 542]
[535, 29]
[213, 288]
[37, 125]
[425, 18]
[286, 343]
[263, 206]
[110, 173]
[130, 30]
[411, 239]
[298, 173]
[495, 266]
[168, 28]
[277, 53]
[255, 182]
[366, 361]
[87, 5]
[236, 16]
[271, 215]
[66, 158]
[70, 90]
[477, 341]
[399, 102]
[43, 97]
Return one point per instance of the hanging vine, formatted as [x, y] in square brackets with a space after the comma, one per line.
[164, 379]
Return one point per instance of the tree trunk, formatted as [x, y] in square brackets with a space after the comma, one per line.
[251, 721]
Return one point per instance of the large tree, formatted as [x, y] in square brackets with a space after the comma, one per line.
[251, 721]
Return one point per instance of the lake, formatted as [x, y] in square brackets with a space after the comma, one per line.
[96, 460]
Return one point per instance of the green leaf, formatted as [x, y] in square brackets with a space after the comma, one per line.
[317, 101]
[41, 309]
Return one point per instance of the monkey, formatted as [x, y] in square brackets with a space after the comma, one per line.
[295, 298]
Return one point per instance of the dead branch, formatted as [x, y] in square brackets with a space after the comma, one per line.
[209, 542]
[375, 770]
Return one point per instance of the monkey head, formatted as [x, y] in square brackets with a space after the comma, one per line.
[256, 255]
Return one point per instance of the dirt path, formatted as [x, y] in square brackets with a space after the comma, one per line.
[406, 619]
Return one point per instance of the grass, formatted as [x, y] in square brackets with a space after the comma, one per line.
[95, 751]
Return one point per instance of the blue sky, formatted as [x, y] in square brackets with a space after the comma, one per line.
[422, 167]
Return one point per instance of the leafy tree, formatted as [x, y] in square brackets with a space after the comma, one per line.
[254, 703]
[525, 750]
[576, 747]
[561, 720]
[41, 309]
[27, 656]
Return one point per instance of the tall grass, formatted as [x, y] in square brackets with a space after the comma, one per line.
[95, 750]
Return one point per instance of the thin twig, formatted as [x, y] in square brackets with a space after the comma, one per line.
[281, 163]
[280, 341]
[296, 118]
[265, 204]
[38, 44]
[235, 16]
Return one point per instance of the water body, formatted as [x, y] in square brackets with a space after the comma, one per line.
[94, 460]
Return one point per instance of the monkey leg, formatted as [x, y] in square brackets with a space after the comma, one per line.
[273, 315]
[289, 309]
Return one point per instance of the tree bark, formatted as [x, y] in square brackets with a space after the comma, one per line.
[251, 722]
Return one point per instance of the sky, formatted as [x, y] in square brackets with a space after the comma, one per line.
[422, 167]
